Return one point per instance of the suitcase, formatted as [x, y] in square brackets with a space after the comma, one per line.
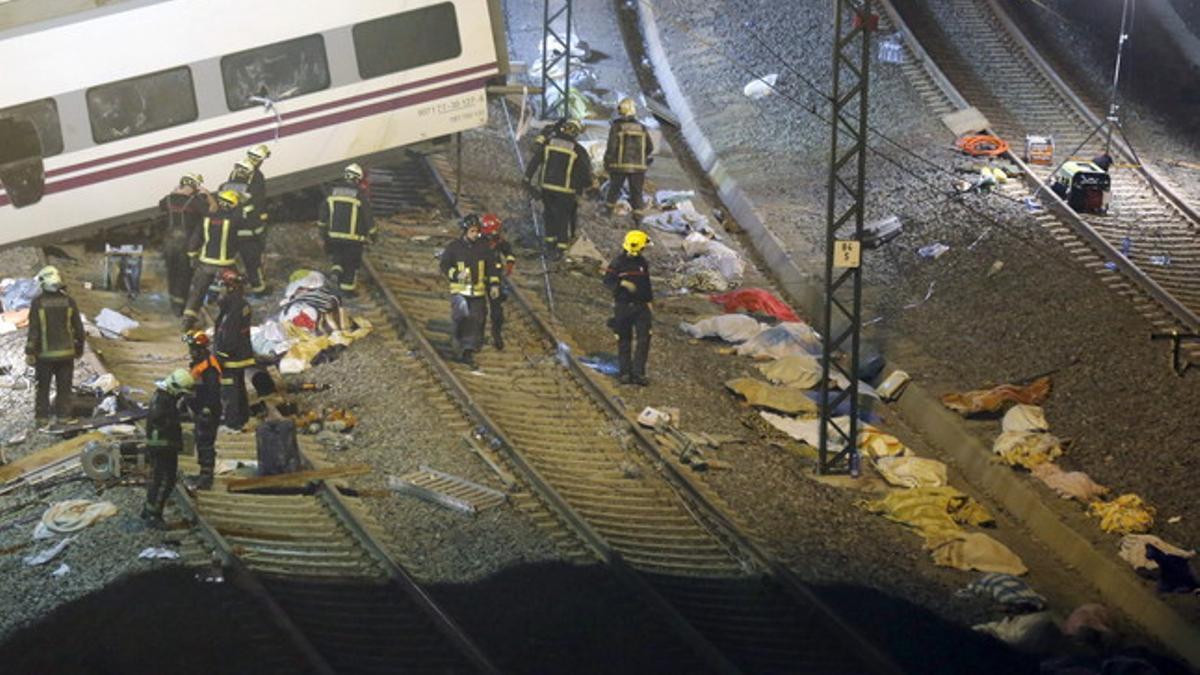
[277, 448]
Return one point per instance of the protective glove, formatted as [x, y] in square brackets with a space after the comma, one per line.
[628, 285]
[494, 292]
[31, 359]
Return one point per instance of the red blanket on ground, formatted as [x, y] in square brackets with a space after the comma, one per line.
[755, 300]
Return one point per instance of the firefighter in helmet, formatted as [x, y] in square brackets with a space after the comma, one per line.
[626, 157]
[502, 249]
[346, 225]
[205, 405]
[257, 183]
[472, 268]
[628, 277]
[560, 170]
[213, 247]
[164, 441]
[252, 233]
[231, 343]
[185, 208]
[54, 341]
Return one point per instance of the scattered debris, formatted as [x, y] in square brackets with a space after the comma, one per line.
[933, 251]
[61, 571]
[1127, 514]
[653, 418]
[73, 515]
[879, 232]
[585, 250]
[605, 364]
[297, 478]
[157, 553]
[1007, 590]
[995, 399]
[1027, 448]
[801, 371]
[892, 386]
[114, 324]
[1023, 417]
[47, 555]
[1133, 550]
[18, 294]
[760, 87]
[1029, 633]
[331, 419]
[446, 490]
[891, 49]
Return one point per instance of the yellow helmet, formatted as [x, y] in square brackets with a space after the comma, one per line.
[635, 241]
[627, 108]
[354, 172]
[49, 279]
[572, 128]
[229, 197]
[191, 180]
[258, 153]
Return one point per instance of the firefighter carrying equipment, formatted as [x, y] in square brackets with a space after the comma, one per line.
[49, 279]
[635, 241]
[982, 145]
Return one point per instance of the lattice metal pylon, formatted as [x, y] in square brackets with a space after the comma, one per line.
[853, 24]
[556, 47]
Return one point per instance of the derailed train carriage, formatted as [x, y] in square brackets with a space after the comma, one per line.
[110, 106]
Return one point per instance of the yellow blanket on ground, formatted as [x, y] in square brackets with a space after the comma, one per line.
[932, 511]
[1126, 514]
[975, 551]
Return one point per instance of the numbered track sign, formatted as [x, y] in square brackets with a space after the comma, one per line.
[846, 253]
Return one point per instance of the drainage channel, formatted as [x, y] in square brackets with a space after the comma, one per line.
[314, 562]
[574, 445]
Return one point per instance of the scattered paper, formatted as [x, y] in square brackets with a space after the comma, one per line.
[47, 555]
[61, 570]
[157, 553]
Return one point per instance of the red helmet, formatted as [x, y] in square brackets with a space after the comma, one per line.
[230, 278]
[490, 223]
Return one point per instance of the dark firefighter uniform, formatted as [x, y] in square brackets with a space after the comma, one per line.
[626, 158]
[631, 312]
[214, 247]
[562, 170]
[54, 341]
[231, 342]
[206, 410]
[346, 225]
[503, 251]
[251, 240]
[164, 442]
[473, 271]
[185, 209]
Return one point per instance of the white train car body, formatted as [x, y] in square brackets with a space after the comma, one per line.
[126, 101]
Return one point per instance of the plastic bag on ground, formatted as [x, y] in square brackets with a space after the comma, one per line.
[114, 324]
[760, 87]
[755, 300]
[786, 339]
[728, 327]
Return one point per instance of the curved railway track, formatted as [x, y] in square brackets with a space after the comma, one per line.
[1019, 93]
[314, 562]
[566, 437]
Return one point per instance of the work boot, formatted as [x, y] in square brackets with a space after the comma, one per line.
[205, 480]
[498, 341]
[152, 518]
[639, 380]
[468, 359]
[625, 378]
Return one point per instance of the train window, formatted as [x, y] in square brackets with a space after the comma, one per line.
[141, 104]
[44, 116]
[407, 40]
[278, 71]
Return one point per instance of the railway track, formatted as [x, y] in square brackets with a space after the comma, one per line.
[573, 445]
[1147, 248]
[314, 562]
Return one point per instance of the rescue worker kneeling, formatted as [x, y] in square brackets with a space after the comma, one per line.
[231, 342]
[471, 267]
[628, 276]
[54, 341]
[205, 405]
[346, 226]
[561, 170]
[626, 158]
[214, 250]
[164, 442]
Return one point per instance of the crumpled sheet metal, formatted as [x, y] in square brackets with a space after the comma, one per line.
[1126, 514]
[994, 399]
[764, 395]
[1027, 448]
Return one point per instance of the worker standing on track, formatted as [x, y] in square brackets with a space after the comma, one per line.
[185, 207]
[54, 341]
[164, 442]
[561, 171]
[490, 228]
[231, 342]
[206, 405]
[252, 233]
[626, 158]
[346, 225]
[628, 276]
[213, 248]
[471, 266]
[258, 183]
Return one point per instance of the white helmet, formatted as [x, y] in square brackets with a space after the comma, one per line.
[353, 173]
[242, 170]
[178, 382]
[258, 153]
[49, 279]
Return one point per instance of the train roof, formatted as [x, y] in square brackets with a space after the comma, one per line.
[127, 39]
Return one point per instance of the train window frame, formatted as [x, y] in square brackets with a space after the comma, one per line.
[48, 150]
[189, 115]
[318, 38]
[373, 38]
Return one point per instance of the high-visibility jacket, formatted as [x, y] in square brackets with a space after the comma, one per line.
[253, 223]
[472, 267]
[214, 242]
[629, 146]
[231, 338]
[163, 425]
[346, 213]
[562, 166]
[55, 328]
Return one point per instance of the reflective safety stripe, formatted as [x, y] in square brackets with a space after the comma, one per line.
[355, 204]
[226, 380]
[238, 364]
[555, 147]
[221, 257]
[624, 163]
